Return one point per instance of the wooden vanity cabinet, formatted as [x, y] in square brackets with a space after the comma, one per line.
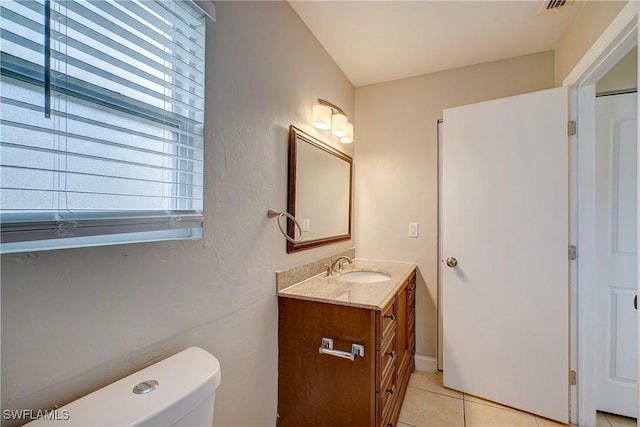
[322, 390]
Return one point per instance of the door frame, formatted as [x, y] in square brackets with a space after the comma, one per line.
[615, 42]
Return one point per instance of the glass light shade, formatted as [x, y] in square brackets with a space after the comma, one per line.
[321, 117]
[348, 138]
[339, 125]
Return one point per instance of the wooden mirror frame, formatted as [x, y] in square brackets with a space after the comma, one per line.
[294, 135]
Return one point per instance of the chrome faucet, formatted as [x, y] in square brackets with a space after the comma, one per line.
[338, 264]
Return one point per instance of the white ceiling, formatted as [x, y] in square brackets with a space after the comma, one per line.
[376, 41]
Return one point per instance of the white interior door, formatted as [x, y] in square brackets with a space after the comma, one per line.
[616, 174]
[505, 221]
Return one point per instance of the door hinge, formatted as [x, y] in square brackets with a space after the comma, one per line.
[573, 377]
[573, 127]
[573, 252]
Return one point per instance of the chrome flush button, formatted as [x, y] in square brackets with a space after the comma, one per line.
[145, 387]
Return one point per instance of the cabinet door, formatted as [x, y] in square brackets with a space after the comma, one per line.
[317, 389]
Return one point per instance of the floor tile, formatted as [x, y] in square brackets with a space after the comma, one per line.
[479, 415]
[431, 381]
[619, 421]
[474, 399]
[544, 422]
[426, 409]
[429, 404]
[601, 420]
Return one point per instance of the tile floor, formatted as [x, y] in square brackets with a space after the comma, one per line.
[428, 404]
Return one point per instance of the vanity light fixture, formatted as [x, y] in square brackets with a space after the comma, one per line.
[329, 116]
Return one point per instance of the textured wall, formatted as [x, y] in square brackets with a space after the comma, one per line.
[396, 163]
[75, 320]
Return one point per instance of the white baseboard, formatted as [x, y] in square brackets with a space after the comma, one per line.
[425, 363]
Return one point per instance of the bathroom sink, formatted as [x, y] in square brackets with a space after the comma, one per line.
[365, 276]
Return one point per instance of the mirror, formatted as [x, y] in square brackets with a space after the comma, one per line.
[319, 192]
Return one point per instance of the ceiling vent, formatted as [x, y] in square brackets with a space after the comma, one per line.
[555, 5]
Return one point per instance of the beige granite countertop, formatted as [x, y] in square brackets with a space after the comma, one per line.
[335, 290]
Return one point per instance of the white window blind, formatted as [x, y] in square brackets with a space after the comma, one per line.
[101, 122]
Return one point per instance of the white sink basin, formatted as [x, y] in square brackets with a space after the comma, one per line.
[365, 276]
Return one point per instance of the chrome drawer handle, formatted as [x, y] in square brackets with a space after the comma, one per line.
[391, 390]
[327, 348]
[391, 353]
[391, 316]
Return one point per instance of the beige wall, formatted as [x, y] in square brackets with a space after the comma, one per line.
[396, 163]
[75, 320]
[584, 30]
[623, 76]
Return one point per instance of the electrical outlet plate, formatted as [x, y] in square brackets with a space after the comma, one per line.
[413, 229]
[306, 225]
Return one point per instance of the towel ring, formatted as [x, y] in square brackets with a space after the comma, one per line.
[272, 214]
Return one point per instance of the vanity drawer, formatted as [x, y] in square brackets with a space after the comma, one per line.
[411, 296]
[386, 359]
[411, 321]
[405, 368]
[388, 420]
[387, 321]
[412, 342]
[386, 396]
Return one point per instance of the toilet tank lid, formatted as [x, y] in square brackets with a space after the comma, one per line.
[184, 380]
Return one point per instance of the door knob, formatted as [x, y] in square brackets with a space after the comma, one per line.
[451, 262]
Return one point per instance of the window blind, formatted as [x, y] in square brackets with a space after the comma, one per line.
[101, 122]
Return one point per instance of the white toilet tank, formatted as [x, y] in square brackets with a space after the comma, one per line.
[178, 391]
